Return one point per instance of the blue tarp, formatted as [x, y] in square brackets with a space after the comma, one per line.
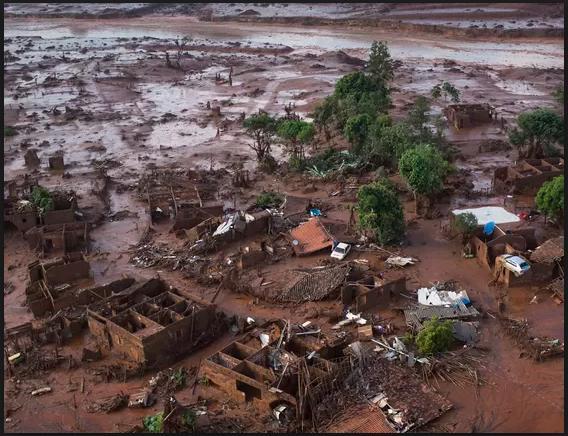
[315, 212]
[488, 228]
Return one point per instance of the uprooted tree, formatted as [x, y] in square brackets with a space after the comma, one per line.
[424, 169]
[380, 212]
[261, 128]
[538, 133]
[550, 198]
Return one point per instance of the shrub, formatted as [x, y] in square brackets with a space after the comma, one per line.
[154, 423]
[9, 131]
[42, 199]
[436, 337]
[268, 200]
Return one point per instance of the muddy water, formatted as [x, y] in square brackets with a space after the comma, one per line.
[543, 55]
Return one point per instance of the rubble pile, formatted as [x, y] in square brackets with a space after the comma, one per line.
[411, 402]
[538, 348]
[107, 405]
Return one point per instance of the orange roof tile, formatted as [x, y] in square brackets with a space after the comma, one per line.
[311, 236]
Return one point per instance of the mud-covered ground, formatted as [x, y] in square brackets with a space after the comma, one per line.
[137, 113]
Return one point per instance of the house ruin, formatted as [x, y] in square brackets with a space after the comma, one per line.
[263, 370]
[527, 176]
[310, 237]
[53, 283]
[463, 116]
[21, 213]
[151, 323]
[370, 292]
[173, 194]
[59, 238]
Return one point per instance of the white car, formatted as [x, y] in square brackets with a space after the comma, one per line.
[340, 251]
[519, 265]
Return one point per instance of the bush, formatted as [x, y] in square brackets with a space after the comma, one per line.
[42, 199]
[154, 423]
[189, 419]
[380, 211]
[436, 337]
[9, 131]
[268, 200]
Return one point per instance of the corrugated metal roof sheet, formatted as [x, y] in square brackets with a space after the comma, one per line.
[312, 236]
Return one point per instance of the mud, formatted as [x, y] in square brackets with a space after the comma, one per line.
[137, 113]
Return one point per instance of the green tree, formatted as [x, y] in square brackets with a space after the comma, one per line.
[466, 223]
[538, 131]
[446, 89]
[380, 211]
[550, 198]
[323, 115]
[387, 144]
[296, 135]
[356, 131]
[356, 83]
[418, 116]
[435, 337]
[424, 169]
[436, 91]
[261, 128]
[380, 66]
[452, 91]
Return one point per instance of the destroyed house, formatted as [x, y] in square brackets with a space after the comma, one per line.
[469, 115]
[23, 214]
[59, 238]
[151, 322]
[488, 249]
[262, 370]
[369, 292]
[174, 195]
[547, 259]
[527, 176]
[241, 224]
[54, 283]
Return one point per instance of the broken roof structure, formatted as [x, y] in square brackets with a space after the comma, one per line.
[310, 237]
[550, 251]
[486, 214]
[416, 316]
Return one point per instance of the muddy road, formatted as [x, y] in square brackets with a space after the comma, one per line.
[100, 91]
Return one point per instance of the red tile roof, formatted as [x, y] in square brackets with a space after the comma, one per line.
[312, 236]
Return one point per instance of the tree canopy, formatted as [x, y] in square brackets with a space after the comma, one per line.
[296, 135]
[356, 130]
[550, 198]
[380, 211]
[380, 66]
[261, 128]
[537, 132]
[435, 337]
[424, 169]
[466, 223]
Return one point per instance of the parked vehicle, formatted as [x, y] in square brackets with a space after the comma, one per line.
[519, 265]
[340, 251]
